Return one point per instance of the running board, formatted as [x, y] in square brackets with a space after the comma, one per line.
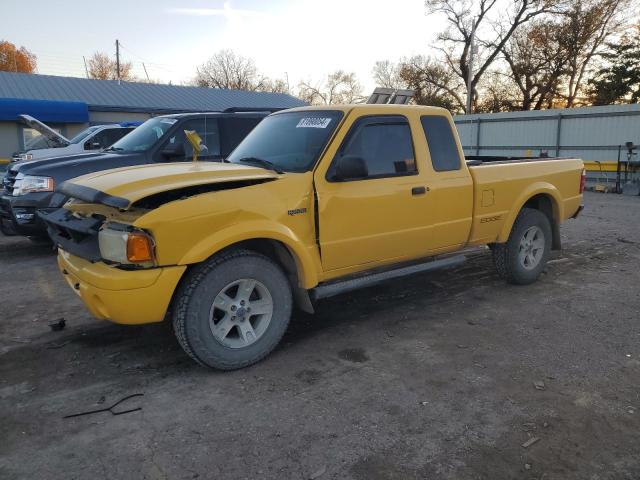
[331, 289]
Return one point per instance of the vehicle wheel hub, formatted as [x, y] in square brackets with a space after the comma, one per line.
[531, 248]
[241, 313]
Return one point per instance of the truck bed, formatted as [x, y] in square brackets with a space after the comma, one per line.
[503, 184]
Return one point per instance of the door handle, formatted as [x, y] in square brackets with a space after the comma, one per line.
[419, 190]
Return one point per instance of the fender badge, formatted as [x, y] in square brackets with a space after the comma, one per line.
[296, 211]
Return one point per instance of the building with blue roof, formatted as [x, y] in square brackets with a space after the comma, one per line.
[69, 104]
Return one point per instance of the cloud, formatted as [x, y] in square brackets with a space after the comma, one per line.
[227, 11]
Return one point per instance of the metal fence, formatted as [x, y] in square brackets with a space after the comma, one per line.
[596, 134]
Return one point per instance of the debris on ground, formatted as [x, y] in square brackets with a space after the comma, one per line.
[111, 408]
[539, 384]
[527, 466]
[58, 325]
[530, 442]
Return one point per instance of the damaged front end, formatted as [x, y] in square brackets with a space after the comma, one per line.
[100, 237]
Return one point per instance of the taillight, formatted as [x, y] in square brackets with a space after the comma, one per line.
[583, 180]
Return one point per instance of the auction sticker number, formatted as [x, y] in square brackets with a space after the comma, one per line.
[313, 122]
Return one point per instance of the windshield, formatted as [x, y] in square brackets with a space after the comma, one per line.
[37, 143]
[145, 136]
[291, 141]
[83, 134]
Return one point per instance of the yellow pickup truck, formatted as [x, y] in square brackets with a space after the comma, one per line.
[316, 201]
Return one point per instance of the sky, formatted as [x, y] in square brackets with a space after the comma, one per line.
[298, 39]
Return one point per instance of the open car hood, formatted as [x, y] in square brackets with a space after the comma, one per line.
[45, 130]
[122, 187]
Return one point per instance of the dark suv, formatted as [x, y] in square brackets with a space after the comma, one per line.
[29, 186]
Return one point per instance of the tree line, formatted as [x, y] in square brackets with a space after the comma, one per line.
[528, 55]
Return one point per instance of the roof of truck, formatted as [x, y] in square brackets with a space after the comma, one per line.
[366, 107]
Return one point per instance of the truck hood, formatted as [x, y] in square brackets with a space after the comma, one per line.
[122, 187]
[45, 130]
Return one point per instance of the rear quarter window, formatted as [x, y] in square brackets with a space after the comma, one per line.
[442, 144]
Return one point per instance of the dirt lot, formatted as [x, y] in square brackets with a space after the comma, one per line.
[430, 377]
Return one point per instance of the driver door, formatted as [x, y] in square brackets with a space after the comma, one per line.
[384, 216]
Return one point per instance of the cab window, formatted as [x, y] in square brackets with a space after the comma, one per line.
[105, 138]
[385, 145]
[441, 142]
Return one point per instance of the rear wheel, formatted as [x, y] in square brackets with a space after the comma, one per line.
[232, 310]
[523, 257]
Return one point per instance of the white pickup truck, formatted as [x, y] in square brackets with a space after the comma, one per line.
[50, 143]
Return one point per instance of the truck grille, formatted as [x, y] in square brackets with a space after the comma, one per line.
[9, 181]
[76, 235]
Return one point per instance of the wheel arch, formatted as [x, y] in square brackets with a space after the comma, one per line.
[272, 240]
[542, 197]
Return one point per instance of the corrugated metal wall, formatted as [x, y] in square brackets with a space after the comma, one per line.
[591, 133]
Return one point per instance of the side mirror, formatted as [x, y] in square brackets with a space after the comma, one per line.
[173, 150]
[350, 167]
[92, 145]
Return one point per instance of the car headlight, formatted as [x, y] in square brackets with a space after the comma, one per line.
[125, 245]
[26, 156]
[31, 183]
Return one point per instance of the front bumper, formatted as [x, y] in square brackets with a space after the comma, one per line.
[20, 213]
[121, 296]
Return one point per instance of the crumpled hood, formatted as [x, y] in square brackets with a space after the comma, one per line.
[121, 187]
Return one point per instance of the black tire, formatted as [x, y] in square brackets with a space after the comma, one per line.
[194, 300]
[506, 255]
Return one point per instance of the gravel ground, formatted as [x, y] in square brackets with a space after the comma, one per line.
[451, 375]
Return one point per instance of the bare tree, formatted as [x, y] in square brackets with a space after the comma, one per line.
[493, 26]
[226, 69]
[275, 85]
[498, 94]
[433, 83]
[537, 59]
[102, 67]
[586, 27]
[339, 87]
[387, 74]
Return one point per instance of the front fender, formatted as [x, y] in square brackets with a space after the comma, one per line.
[531, 191]
[251, 230]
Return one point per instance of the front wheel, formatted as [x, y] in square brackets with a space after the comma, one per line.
[523, 257]
[232, 310]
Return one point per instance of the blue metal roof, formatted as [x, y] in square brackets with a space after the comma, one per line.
[109, 95]
[44, 110]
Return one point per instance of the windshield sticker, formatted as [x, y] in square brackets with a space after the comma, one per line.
[313, 122]
[170, 121]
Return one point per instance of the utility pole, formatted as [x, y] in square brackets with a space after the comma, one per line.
[472, 46]
[86, 70]
[145, 72]
[118, 60]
